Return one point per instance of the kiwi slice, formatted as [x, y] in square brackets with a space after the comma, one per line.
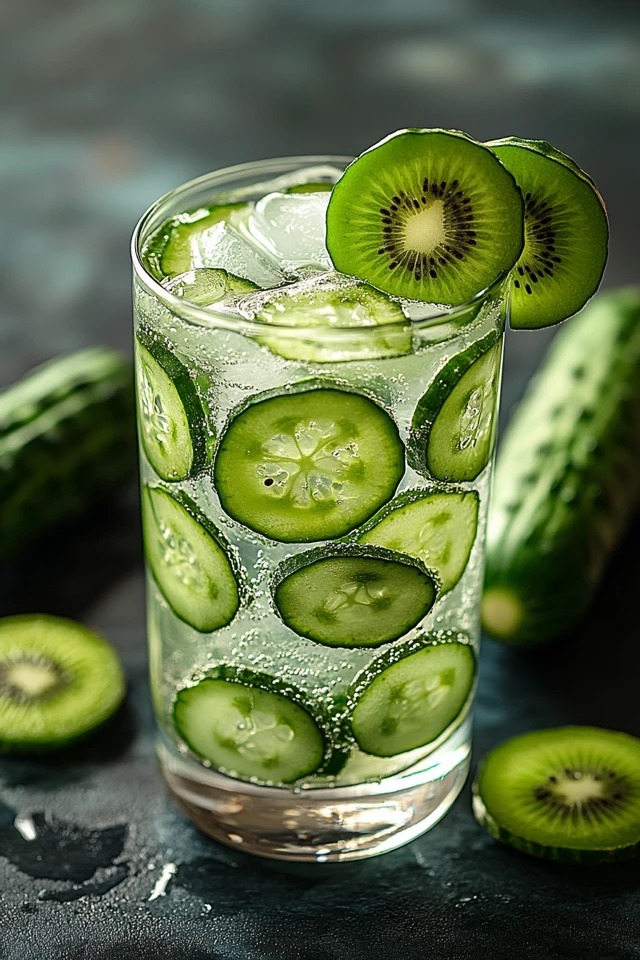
[566, 234]
[58, 681]
[427, 215]
[570, 793]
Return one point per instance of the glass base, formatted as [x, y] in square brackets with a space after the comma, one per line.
[318, 825]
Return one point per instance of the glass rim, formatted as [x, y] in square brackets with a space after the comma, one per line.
[215, 319]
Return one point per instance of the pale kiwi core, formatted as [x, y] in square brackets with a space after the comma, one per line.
[425, 231]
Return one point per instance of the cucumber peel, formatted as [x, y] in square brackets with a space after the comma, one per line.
[568, 475]
[67, 438]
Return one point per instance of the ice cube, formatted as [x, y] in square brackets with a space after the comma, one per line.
[222, 246]
[292, 227]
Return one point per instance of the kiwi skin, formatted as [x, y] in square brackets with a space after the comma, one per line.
[563, 854]
[542, 851]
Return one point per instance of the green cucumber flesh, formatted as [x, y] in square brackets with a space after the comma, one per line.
[181, 243]
[308, 465]
[58, 682]
[188, 561]
[249, 732]
[567, 479]
[356, 597]
[568, 793]
[437, 528]
[173, 424]
[454, 424]
[412, 701]
[430, 331]
[208, 285]
[67, 438]
[334, 307]
[362, 767]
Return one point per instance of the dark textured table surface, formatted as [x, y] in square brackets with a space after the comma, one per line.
[106, 106]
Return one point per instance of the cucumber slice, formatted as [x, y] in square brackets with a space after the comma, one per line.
[454, 424]
[412, 701]
[58, 682]
[308, 465]
[188, 561]
[182, 242]
[209, 285]
[357, 597]
[329, 304]
[438, 331]
[248, 729]
[172, 421]
[362, 767]
[437, 528]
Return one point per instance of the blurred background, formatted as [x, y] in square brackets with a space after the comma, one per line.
[109, 105]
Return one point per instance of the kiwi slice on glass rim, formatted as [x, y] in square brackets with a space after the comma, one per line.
[428, 215]
[568, 793]
[566, 234]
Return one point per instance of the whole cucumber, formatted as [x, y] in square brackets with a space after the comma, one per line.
[568, 475]
[67, 437]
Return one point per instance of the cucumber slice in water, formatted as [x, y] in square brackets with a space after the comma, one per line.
[412, 702]
[332, 306]
[362, 767]
[308, 465]
[437, 528]
[247, 731]
[173, 425]
[454, 424]
[188, 562]
[182, 243]
[208, 285]
[359, 597]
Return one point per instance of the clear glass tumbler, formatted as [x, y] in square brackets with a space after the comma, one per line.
[315, 572]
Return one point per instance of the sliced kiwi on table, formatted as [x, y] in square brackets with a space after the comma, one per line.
[566, 234]
[58, 682]
[428, 215]
[569, 793]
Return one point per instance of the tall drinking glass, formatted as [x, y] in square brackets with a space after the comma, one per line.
[314, 499]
